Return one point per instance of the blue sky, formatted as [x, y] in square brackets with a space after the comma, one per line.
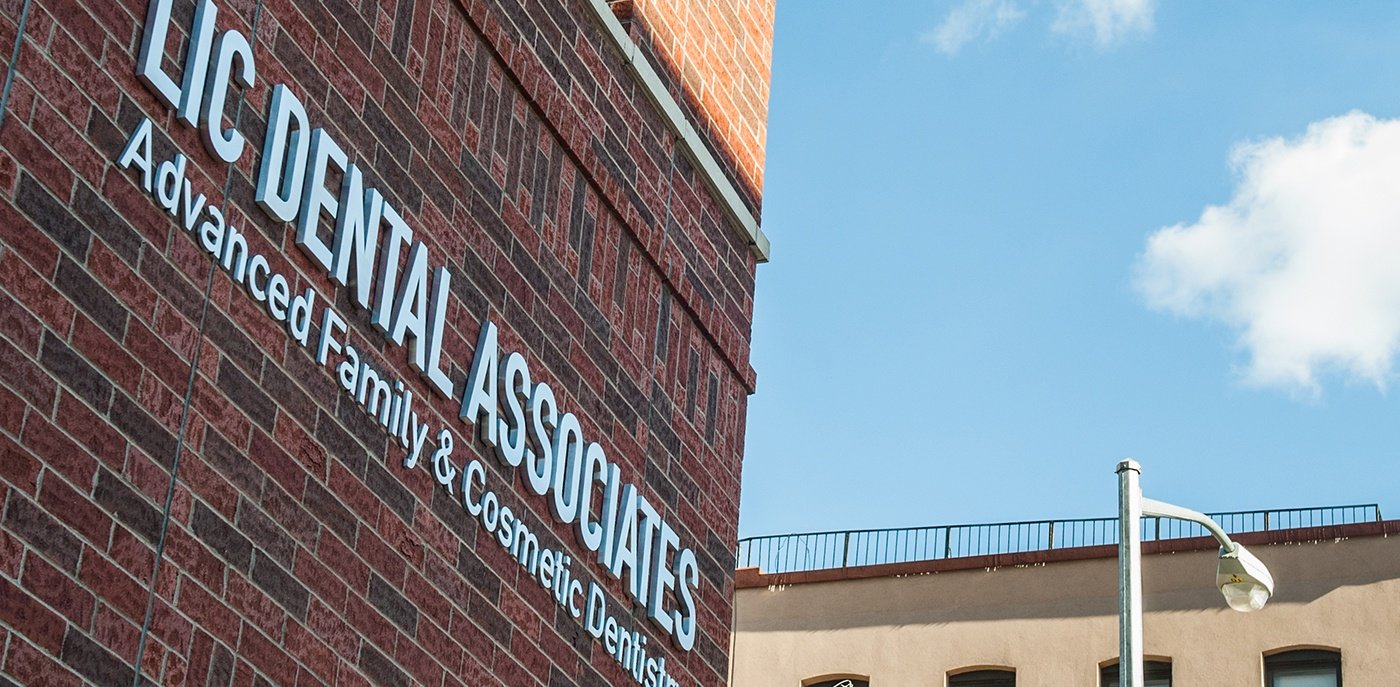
[1018, 240]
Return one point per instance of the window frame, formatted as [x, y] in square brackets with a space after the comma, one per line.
[836, 678]
[991, 676]
[1302, 658]
[1152, 669]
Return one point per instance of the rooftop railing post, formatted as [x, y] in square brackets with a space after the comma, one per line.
[1052, 535]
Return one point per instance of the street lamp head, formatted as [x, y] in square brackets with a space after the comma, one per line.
[1243, 579]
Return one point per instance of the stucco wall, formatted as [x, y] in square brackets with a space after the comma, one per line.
[1057, 623]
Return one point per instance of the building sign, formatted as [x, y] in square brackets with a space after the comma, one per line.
[363, 244]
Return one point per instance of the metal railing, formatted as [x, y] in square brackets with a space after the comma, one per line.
[849, 548]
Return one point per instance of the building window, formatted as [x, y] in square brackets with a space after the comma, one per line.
[983, 678]
[1303, 668]
[840, 682]
[1154, 674]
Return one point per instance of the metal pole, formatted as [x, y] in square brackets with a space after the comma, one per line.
[1129, 574]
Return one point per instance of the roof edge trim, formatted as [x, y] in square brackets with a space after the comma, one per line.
[742, 221]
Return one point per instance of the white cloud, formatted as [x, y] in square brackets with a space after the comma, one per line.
[1304, 261]
[1109, 21]
[973, 20]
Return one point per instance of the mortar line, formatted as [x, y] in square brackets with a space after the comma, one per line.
[14, 60]
[151, 590]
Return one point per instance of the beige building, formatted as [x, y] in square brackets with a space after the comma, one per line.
[1046, 615]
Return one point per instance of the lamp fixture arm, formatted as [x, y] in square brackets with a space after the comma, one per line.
[1155, 508]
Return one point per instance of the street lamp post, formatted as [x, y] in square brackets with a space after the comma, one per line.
[1241, 578]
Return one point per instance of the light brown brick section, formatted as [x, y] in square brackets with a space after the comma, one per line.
[722, 51]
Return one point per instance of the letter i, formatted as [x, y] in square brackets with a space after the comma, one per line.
[197, 62]
[396, 408]
[403, 417]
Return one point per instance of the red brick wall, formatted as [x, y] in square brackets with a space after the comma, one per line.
[719, 53]
[298, 549]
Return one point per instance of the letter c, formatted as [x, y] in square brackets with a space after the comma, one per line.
[474, 473]
[226, 144]
[595, 471]
[257, 287]
[575, 592]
